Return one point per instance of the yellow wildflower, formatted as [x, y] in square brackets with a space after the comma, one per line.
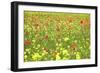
[65, 52]
[60, 44]
[56, 44]
[25, 56]
[27, 49]
[38, 45]
[78, 55]
[36, 56]
[61, 48]
[33, 41]
[58, 57]
[66, 39]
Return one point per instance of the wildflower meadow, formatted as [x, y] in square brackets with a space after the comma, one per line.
[50, 36]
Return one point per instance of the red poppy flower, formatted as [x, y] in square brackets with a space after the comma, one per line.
[26, 33]
[74, 46]
[81, 22]
[84, 22]
[46, 37]
[27, 42]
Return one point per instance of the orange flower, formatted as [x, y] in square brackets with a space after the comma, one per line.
[84, 22]
[81, 22]
[26, 33]
[46, 37]
[70, 19]
[27, 42]
[74, 46]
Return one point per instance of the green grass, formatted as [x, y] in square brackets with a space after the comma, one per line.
[56, 36]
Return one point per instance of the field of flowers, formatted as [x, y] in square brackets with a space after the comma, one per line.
[56, 36]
